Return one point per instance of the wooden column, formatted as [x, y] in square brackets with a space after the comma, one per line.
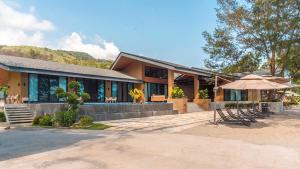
[107, 88]
[196, 86]
[170, 83]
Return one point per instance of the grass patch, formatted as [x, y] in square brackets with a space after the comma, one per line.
[93, 126]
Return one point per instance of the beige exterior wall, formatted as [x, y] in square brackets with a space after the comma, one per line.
[17, 83]
[135, 69]
[3, 77]
[253, 95]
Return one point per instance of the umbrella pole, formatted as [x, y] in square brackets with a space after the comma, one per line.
[237, 102]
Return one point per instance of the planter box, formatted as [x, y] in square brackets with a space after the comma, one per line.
[203, 103]
[179, 104]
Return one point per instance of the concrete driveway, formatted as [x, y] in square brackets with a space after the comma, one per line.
[166, 142]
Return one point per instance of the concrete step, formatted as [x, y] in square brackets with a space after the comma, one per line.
[18, 114]
[19, 117]
[21, 121]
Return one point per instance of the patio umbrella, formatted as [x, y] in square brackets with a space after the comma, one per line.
[253, 82]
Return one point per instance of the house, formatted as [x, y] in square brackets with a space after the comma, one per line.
[37, 80]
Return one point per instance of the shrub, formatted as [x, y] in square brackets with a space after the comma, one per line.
[36, 120]
[85, 120]
[4, 89]
[2, 117]
[64, 118]
[177, 93]
[74, 98]
[135, 94]
[46, 120]
[203, 94]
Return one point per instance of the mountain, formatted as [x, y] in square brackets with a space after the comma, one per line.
[62, 56]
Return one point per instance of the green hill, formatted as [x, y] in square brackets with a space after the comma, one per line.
[70, 57]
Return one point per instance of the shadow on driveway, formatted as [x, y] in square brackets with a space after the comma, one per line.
[21, 142]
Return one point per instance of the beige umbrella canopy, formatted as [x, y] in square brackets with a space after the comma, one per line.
[253, 82]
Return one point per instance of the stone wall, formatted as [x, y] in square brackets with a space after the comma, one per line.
[112, 111]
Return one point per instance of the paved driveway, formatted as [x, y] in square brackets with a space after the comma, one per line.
[185, 141]
[168, 123]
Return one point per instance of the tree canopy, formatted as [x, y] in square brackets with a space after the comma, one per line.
[251, 33]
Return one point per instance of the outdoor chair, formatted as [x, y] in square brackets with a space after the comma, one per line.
[256, 109]
[242, 116]
[107, 99]
[255, 114]
[228, 120]
[114, 100]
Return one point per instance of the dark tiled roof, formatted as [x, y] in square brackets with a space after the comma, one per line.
[28, 65]
[193, 70]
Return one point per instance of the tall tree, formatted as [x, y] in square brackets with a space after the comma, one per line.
[268, 29]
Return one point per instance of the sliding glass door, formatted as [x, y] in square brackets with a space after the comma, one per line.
[42, 88]
[155, 89]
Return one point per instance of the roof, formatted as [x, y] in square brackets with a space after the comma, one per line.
[263, 72]
[27, 65]
[165, 64]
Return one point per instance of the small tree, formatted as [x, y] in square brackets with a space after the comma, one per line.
[4, 89]
[74, 97]
[203, 94]
[135, 94]
[177, 92]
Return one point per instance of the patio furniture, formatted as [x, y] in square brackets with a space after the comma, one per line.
[108, 99]
[254, 114]
[242, 116]
[252, 82]
[256, 109]
[114, 100]
[228, 120]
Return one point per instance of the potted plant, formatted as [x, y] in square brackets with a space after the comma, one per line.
[203, 99]
[135, 94]
[179, 100]
[3, 92]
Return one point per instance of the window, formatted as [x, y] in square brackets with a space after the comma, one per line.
[114, 89]
[33, 87]
[101, 90]
[234, 95]
[42, 88]
[156, 72]
[95, 88]
[129, 87]
[155, 89]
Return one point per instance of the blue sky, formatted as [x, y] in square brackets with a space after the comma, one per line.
[168, 30]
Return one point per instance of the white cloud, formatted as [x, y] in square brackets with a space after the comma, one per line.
[19, 28]
[103, 50]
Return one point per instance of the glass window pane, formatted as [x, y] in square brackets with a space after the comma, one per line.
[101, 91]
[114, 89]
[33, 87]
[129, 87]
[80, 81]
[63, 83]
[53, 86]
[43, 88]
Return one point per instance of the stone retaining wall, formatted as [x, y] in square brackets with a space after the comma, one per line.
[112, 111]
